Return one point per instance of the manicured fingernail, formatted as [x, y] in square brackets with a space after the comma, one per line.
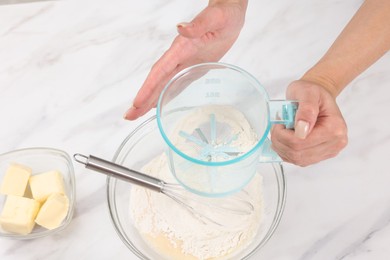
[184, 25]
[301, 129]
[125, 114]
[128, 111]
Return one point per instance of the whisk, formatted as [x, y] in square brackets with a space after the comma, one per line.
[204, 208]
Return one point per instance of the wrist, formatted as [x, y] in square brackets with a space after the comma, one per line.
[242, 3]
[324, 79]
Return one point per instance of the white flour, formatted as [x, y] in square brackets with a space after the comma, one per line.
[176, 233]
[231, 129]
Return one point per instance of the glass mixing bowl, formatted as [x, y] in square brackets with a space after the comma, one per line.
[144, 144]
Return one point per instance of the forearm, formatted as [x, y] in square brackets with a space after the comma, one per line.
[363, 41]
[243, 4]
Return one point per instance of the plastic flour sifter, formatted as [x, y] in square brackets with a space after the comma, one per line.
[215, 119]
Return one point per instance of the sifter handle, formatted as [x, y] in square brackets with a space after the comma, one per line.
[280, 112]
[283, 112]
[118, 171]
[267, 154]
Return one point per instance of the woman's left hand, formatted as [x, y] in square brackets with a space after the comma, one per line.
[320, 130]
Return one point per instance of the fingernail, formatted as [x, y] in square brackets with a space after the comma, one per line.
[301, 129]
[128, 111]
[184, 25]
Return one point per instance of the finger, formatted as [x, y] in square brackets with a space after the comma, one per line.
[133, 113]
[320, 134]
[322, 143]
[308, 108]
[309, 156]
[140, 107]
[156, 79]
[209, 20]
[146, 98]
[162, 71]
[304, 157]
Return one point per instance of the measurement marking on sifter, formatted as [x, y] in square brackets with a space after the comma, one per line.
[212, 95]
[212, 81]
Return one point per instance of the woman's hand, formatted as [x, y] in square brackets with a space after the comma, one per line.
[205, 39]
[320, 130]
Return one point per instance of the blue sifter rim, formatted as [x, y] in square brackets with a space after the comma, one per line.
[206, 163]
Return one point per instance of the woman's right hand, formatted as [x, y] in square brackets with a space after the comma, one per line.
[205, 39]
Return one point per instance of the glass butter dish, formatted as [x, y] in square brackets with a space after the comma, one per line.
[39, 160]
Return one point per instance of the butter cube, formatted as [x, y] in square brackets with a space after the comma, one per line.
[15, 180]
[44, 184]
[53, 211]
[18, 214]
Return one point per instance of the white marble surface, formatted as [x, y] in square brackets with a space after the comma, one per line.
[70, 69]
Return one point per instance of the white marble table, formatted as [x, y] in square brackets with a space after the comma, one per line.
[70, 69]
